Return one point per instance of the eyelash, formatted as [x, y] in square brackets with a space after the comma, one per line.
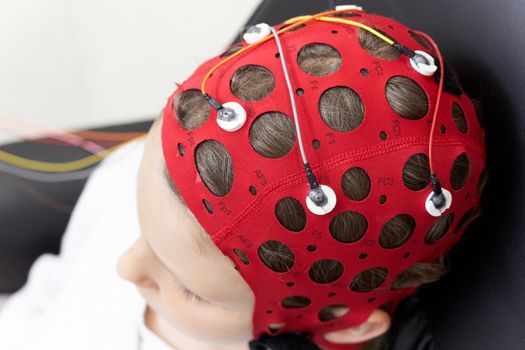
[190, 296]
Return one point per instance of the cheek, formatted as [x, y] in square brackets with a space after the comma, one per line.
[205, 322]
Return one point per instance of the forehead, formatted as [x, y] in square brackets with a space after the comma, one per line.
[174, 234]
[158, 191]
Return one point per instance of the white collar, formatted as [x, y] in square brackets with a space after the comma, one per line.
[147, 340]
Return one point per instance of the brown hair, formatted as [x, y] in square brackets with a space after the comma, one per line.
[376, 46]
[273, 135]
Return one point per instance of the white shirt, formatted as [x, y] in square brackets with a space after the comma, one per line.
[77, 300]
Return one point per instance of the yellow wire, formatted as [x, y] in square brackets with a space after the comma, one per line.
[297, 21]
[50, 167]
[109, 135]
[95, 158]
[246, 48]
[345, 21]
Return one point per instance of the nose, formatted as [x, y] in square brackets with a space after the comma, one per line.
[135, 265]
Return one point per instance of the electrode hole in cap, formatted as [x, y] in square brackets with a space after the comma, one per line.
[295, 302]
[443, 129]
[231, 50]
[368, 280]
[382, 135]
[459, 118]
[325, 271]
[252, 190]
[276, 256]
[382, 199]
[272, 134]
[469, 216]
[363, 256]
[406, 97]
[191, 109]
[482, 181]
[290, 214]
[418, 274]
[181, 149]
[416, 172]
[439, 228]
[376, 46]
[242, 255]
[356, 184]
[316, 143]
[332, 312]
[478, 109]
[348, 227]
[347, 14]
[252, 83]
[299, 92]
[214, 166]
[341, 108]
[311, 248]
[460, 171]
[319, 59]
[208, 206]
[364, 72]
[420, 40]
[397, 231]
[405, 279]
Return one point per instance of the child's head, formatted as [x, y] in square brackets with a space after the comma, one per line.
[225, 212]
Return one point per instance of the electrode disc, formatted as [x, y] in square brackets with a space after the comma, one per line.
[325, 209]
[348, 7]
[432, 210]
[426, 69]
[237, 122]
[256, 33]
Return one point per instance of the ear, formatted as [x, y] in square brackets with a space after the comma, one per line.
[377, 323]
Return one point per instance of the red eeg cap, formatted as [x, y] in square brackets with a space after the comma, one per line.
[243, 221]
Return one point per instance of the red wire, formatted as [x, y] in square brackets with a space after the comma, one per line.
[438, 99]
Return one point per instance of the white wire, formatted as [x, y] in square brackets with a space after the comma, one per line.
[44, 177]
[290, 92]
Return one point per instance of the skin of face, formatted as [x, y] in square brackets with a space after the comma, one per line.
[175, 255]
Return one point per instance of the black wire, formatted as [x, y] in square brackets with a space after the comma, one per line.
[212, 102]
[404, 50]
[438, 198]
[310, 176]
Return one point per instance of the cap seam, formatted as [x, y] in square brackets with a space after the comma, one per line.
[353, 155]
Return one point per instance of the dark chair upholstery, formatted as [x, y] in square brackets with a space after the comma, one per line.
[34, 215]
[480, 303]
